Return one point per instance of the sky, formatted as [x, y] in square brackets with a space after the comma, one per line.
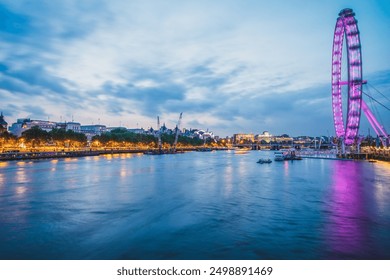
[243, 66]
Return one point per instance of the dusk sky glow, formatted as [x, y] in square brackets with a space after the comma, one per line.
[230, 66]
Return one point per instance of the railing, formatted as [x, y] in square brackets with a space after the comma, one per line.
[317, 153]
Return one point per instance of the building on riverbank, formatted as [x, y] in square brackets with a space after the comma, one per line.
[92, 130]
[74, 126]
[22, 125]
[3, 124]
[243, 138]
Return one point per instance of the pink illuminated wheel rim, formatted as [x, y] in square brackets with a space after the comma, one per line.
[347, 25]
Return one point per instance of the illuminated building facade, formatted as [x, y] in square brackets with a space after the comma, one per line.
[92, 130]
[241, 137]
[22, 125]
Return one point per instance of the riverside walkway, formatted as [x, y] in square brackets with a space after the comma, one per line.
[82, 153]
[366, 154]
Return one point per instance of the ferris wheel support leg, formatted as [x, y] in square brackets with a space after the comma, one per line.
[379, 130]
[342, 147]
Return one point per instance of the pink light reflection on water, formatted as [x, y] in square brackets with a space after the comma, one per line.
[346, 232]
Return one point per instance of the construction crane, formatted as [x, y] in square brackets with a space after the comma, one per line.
[159, 134]
[177, 132]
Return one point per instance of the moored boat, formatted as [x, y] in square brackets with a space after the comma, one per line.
[279, 156]
[204, 149]
[289, 154]
[261, 161]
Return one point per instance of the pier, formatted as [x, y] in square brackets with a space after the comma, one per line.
[367, 154]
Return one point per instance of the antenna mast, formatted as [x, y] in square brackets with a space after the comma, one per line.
[159, 134]
[177, 132]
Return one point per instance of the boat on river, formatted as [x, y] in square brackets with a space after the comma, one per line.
[289, 154]
[262, 161]
[242, 150]
[204, 149]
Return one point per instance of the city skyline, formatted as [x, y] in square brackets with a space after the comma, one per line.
[229, 66]
[16, 128]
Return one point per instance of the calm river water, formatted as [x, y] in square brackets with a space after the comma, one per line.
[210, 205]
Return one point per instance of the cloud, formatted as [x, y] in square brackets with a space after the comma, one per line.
[34, 111]
[229, 66]
[13, 23]
[34, 84]
[34, 76]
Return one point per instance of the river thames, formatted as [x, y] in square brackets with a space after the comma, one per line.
[196, 205]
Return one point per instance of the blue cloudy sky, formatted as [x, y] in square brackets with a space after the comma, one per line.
[230, 66]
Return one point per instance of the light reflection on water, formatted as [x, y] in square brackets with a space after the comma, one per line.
[218, 205]
[346, 208]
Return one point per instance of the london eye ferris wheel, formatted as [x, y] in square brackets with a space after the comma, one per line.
[346, 26]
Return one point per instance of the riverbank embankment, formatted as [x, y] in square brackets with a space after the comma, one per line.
[84, 153]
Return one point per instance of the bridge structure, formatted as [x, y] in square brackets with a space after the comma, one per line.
[347, 132]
